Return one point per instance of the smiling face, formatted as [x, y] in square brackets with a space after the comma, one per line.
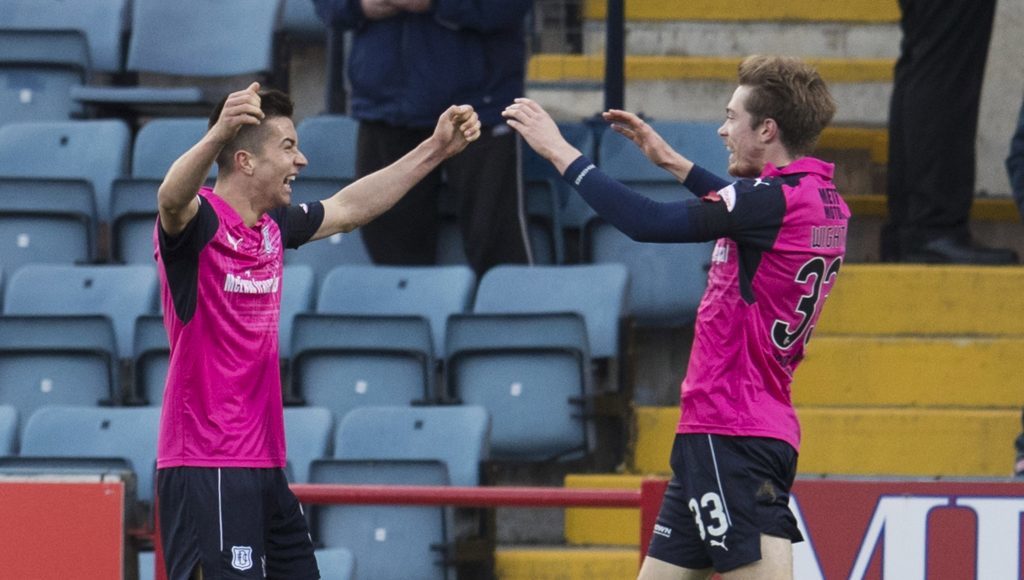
[276, 163]
[746, 144]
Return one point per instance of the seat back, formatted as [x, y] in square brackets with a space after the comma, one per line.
[309, 434]
[336, 563]
[121, 293]
[596, 291]
[161, 141]
[345, 361]
[132, 219]
[46, 221]
[531, 373]
[96, 151]
[222, 40]
[434, 292]
[457, 435]
[8, 430]
[622, 160]
[329, 143]
[100, 22]
[387, 541]
[150, 357]
[335, 250]
[56, 360]
[127, 432]
[38, 70]
[298, 294]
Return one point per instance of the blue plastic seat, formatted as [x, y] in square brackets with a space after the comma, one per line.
[222, 42]
[531, 373]
[329, 143]
[596, 291]
[132, 220]
[101, 23]
[336, 563]
[341, 362]
[389, 542]
[121, 293]
[621, 159]
[8, 430]
[46, 221]
[457, 435]
[150, 358]
[298, 295]
[333, 251]
[433, 292]
[300, 22]
[161, 141]
[309, 434]
[96, 151]
[38, 69]
[56, 360]
[125, 432]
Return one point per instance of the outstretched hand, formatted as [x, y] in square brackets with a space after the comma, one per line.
[539, 130]
[639, 132]
[240, 108]
[458, 127]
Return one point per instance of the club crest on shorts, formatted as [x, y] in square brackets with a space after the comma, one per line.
[241, 557]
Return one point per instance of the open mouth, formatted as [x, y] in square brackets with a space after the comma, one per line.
[289, 180]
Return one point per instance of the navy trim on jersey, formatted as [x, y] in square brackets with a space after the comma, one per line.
[298, 223]
[180, 255]
[702, 182]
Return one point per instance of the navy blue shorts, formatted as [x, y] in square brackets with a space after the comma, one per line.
[235, 522]
[725, 492]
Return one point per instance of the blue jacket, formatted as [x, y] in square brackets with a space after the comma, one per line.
[406, 70]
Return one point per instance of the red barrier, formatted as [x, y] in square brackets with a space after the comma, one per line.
[648, 499]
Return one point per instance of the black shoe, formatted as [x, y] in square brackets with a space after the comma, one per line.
[955, 250]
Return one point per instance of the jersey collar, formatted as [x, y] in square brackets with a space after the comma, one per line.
[801, 165]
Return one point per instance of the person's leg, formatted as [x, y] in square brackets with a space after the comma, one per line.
[655, 569]
[484, 178]
[407, 233]
[776, 562]
[1015, 162]
[290, 553]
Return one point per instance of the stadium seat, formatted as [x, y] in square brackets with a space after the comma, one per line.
[538, 169]
[132, 219]
[388, 542]
[46, 221]
[147, 565]
[95, 432]
[433, 292]
[150, 356]
[101, 23]
[298, 295]
[56, 360]
[122, 293]
[8, 430]
[222, 42]
[38, 69]
[309, 434]
[457, 435]
[621, 159]
[96, 151]
[596, 291]
[300, 22]
[161, 141]
[346, 361]
[336, 563]
[329, 143]
[531, 373]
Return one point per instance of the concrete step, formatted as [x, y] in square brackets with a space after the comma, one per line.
[870, 371]
[921, 300]
[880, 441]
[741, 10]
[602, 526]
[565, 563]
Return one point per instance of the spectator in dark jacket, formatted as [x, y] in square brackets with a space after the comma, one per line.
[408, 60]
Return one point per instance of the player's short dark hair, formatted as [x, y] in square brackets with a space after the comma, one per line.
[273, 103]
[792, 93]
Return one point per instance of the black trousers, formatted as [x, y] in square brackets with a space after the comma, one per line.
[483, 181]
[933, 119]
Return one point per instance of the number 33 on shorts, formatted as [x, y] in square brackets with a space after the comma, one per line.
[712, 506]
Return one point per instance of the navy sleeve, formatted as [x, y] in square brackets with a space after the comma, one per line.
[702, 182]
[298, 223]
[742, 211]
[180, 254]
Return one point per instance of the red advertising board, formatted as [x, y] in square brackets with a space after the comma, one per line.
[908, 530]
[61, 530]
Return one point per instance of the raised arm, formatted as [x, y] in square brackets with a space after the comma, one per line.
[176, 198]
[372, 195]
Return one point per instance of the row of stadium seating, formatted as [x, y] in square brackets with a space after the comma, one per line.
[58, 59]
[534, 345]
[424, 445]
